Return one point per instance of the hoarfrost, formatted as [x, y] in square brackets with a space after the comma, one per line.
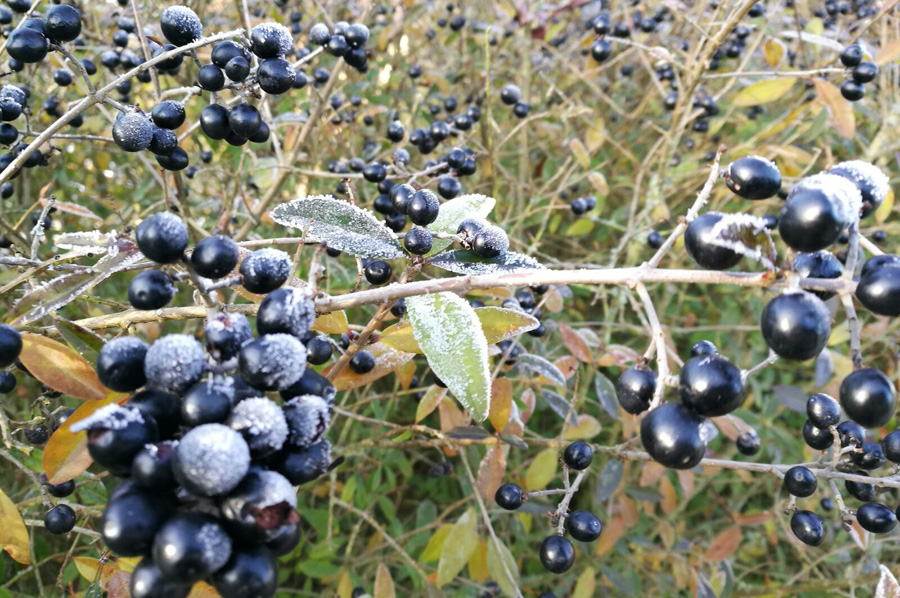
[211, 459]
[174, 363]
[307, 420]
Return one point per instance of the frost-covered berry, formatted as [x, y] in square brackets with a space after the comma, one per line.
[162, 237]
[289, 311]
[271, 40]
[211, 460]
[215, 256]
[868, 178]
[307, 420]
[180, 25]
[225, 333]
[319, 34]
[132, 132]
[262, 423]
[471, 227]
[311, 383]
[174, 363]
[300, 466]
[490, 242]
[116, 434]
[120, 364]
[272, 362]
[257, 509]
[265, 270]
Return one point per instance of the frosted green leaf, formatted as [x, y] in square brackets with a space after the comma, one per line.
[542, 367]
[466, 262]
[455, 211]
[340, 224]
[449, 333]
[460, 543]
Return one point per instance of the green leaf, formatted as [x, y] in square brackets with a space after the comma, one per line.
[449, 332]
[460, 543]
[495, 566]
[455, 211]
[435, 546]
[340, 224]
[581, 226]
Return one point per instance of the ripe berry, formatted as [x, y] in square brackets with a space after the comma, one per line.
[162, 237]
[876, 518]
[852, 55]
[509, 497]
[583, 526]
[151, 289]
[417, 241]
[191, 546]
[208, 401]
[449, 187]
[245, 119]
[890, 445]
[748, 443]
[225, 333]
[302, 465]
[180, 25]
[816, 211]
[151, 468]
[800, 481]
[490, 242]
[851, 433]
[852, 91]
[521, 109]
[132, 131]
[557, 554]
[62, 23]
[7, 382]
[860, 490]
[262, 423]
[395, 131]
[711, 385]
[162, 407]
[703, 348]
[796, 325]
[147, 581]
[423, 207]
[753, 177]
[131, 519]
[635, 388]
[671, 434]
[698, 241]
[868, 397]
[265, 270]
[808, 528]
[116, 434]
[10, 345]
[250, 572]
[879, 261]
[120, 364]
[271, 40]
[37, 435]
[869, 456]
[261, 504]
[823, 411]
[510, 94]
[286, 310]
[871, 182]
[818, 264]
[378, 272]
[174, 363]
[27, 45]
[864, 72]
[601, 50]
[215, 256]
[211, 460]
[362, 362]
[318, 351]
[401, 196]
[60, 519]
[214, 121]
[272, 361]
[879, 291]
[578, 455]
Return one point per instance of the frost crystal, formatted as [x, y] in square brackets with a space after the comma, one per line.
[270, 262]
[237, 323]
[211, 460]
[262, 424]
[872, 183]
[183, 19]
[273, 33]
[216, 545]
[842, 191]
[299, 310]
[277, 489]
[319, 34]
[174, 363]
[110, 417]
[14, 93]
[307, 420]
[170, 227]
[744, 234]
[132, 131]
[273, 361]
[495, 238]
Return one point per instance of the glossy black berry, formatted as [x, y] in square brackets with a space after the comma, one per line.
[852, 55]
[557, 554]
[796, 325]
[378, 272]
[818, 264]
[876, 518]
[879, 291]
[823, 411]
[814, 213]
[7, 382]
[10, 345]
[400, 197]
[671, 434]
[318, 351]
[27, 45]
[362, 362]
[864, 72]
[251, 572]
[851, 433]
[748, 443]
[869, 456]
[578, 455]
[583, 526]
[131, 519]
[711, 385]
[852, 91]
[860, 490]
[395, 131]
[151, 468]
[60, 519]
[147, 581]
[868, 397]
[423, 207]
[162, 407]
[800, 481]
[215, 256]
[890, 445]
[286, 310]
[510, 94]
[449, 187]
[300, 465]
[208, 401]
[635, 388]
[698, 241]
[162, 237]
[703, 348]
[753, 177]
[116, 434]
[417, 241]
[601, 50]
[190, 547]
[120, 364]
[509, 497]
[808, 528]
[879, 261]
[62, 23]
[150, 289]
[245, 119]
[265, 270]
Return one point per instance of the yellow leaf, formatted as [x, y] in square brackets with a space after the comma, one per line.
[66, 455]
[587, 427]
[91, 569]
[332, 323]
[595, 135]
[497, 323]
[61, 368]
[478, 569]
[435, 545]
[724, 544]
[763, 92]
[579, 152]
[387, 360]
[345, 586]
[888, 53]
[13, 535]
[598, 182]
[201, 589]
[842, 117]
[433, 397]
[458, 548]
[669, 496]
[582, 226]
[774, 51]
[501, 403]
[584, 587]
[384, 583]
[884, 210]
[541, 470]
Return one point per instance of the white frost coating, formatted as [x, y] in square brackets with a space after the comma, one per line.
[184, 19]
[123, 348]
[174, 363]
[230, 321]
[80, 240]
[866, 177]
[494, 238]
[843, 192]
[449, 332]
[261, 422]
[285, 360]
[307, 420]
[274, 33]
[319, 34]
[14, 93]
[277, 490]
[133, 131]
[301, 311]
[341, 225]
[459, 262]
[473, 205]
[272, 262]
[212, 459]
[110, 417]
[170, 227]
[725, 234]
[216, 545]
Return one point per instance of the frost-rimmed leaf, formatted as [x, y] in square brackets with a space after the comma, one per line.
[606, 394]
[746, 235]
[78, 240]
[561, 407]
[340, 224]
[449, 332]
[497, 323]
[455, 211]
[541, 366]
[461, 261]
[56, 293]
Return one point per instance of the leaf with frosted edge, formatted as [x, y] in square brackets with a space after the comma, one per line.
[812, 38]
[340, 225]
[497, 323]
[465, 262]
[81, 239]
[746, 235]
[542, 367]
[449, 332]
[496, 560]
[473, 205]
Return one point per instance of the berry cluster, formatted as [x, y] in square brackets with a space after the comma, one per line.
[861, 72]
